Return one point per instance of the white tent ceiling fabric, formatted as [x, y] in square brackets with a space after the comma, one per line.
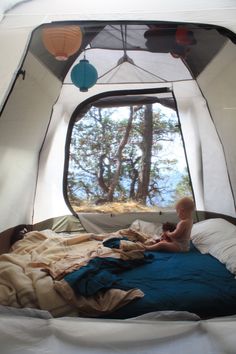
[6, 5]
[30, 14]
[212, 11]
[147, 67]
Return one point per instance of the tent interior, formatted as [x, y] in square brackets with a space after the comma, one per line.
[183, 61]
[131, 63]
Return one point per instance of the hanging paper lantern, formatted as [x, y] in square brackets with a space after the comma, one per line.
[84, 75]
[184, 37]
[62, 41]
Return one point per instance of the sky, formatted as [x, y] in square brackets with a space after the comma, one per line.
[173, 150]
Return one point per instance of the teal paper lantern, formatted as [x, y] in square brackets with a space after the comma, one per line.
[84, 75]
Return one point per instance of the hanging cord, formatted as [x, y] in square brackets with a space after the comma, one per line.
[124, 41]
[126, 58]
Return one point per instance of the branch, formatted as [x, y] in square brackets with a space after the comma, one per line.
[119, 155]
[100, 174]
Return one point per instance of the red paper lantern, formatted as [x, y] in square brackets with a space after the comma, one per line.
[184, 36]
[62, 41]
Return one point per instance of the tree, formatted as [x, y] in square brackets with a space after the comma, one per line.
[146, 147]
[114, 157]
[124, 140]
[183, 188]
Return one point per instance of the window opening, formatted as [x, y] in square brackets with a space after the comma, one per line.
[127, 156]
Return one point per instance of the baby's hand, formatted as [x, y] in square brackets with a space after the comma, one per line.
[150, 242]
[165, 236]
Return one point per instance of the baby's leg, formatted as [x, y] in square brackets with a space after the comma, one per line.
[164, 246]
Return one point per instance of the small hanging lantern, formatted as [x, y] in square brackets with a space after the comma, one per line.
[84, 75]
[62, 41]
[184, 36]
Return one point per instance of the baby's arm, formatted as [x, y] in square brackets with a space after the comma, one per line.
[178, 232]
[165, 236]
[182, 230]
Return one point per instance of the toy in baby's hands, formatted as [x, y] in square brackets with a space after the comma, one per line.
[168, 226]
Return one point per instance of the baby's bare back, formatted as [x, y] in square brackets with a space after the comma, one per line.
[181, 235]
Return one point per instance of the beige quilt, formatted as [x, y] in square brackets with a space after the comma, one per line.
[31, 275]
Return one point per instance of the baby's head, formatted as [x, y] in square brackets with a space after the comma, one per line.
[185, 207]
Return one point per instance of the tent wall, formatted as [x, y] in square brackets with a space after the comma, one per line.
[34, 115]
[204, 150]
[22, 129]
[49, 200]
[24, 122]
[12, 58]
[218, 84]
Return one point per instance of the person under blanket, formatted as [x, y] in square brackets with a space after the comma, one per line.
[179, 239]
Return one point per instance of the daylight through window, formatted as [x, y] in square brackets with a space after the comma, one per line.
[127, 156]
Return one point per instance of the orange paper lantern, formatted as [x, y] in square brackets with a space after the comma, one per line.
[62, 41]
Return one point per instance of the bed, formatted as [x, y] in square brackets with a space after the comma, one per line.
[112, 276]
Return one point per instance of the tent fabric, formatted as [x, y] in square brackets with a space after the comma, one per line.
[46, 115]
[70, 335]
[66, 223]
[213, 177]
[144, 67]
[35, 113]
[24, 18]
[22, 130]
[219, 90]
[28, 15]
[191, 107]
[100, 223]
[6, 5]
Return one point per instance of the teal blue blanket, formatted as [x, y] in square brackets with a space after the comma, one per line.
[170, 281]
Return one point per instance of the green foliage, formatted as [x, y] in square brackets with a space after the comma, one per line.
[183, 188]
[99, 151]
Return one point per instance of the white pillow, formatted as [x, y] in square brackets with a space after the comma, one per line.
[207, 233]
[148, 228]
[218, 238]
[225, 252]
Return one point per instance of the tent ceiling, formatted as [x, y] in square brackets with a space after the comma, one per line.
[152, 47]
[146, 68]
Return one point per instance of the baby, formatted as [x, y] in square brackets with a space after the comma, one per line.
[179, 239]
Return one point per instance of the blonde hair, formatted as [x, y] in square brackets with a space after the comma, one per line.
[185, 203]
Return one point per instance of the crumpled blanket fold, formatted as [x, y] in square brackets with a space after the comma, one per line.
[30, 274]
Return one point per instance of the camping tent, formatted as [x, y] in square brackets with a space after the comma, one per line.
[37, 101]
[36, 107]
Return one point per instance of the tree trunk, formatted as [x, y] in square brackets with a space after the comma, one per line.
[123, 142]
[147, 142]
[100, 177]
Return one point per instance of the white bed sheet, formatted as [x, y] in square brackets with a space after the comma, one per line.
[24, 335]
